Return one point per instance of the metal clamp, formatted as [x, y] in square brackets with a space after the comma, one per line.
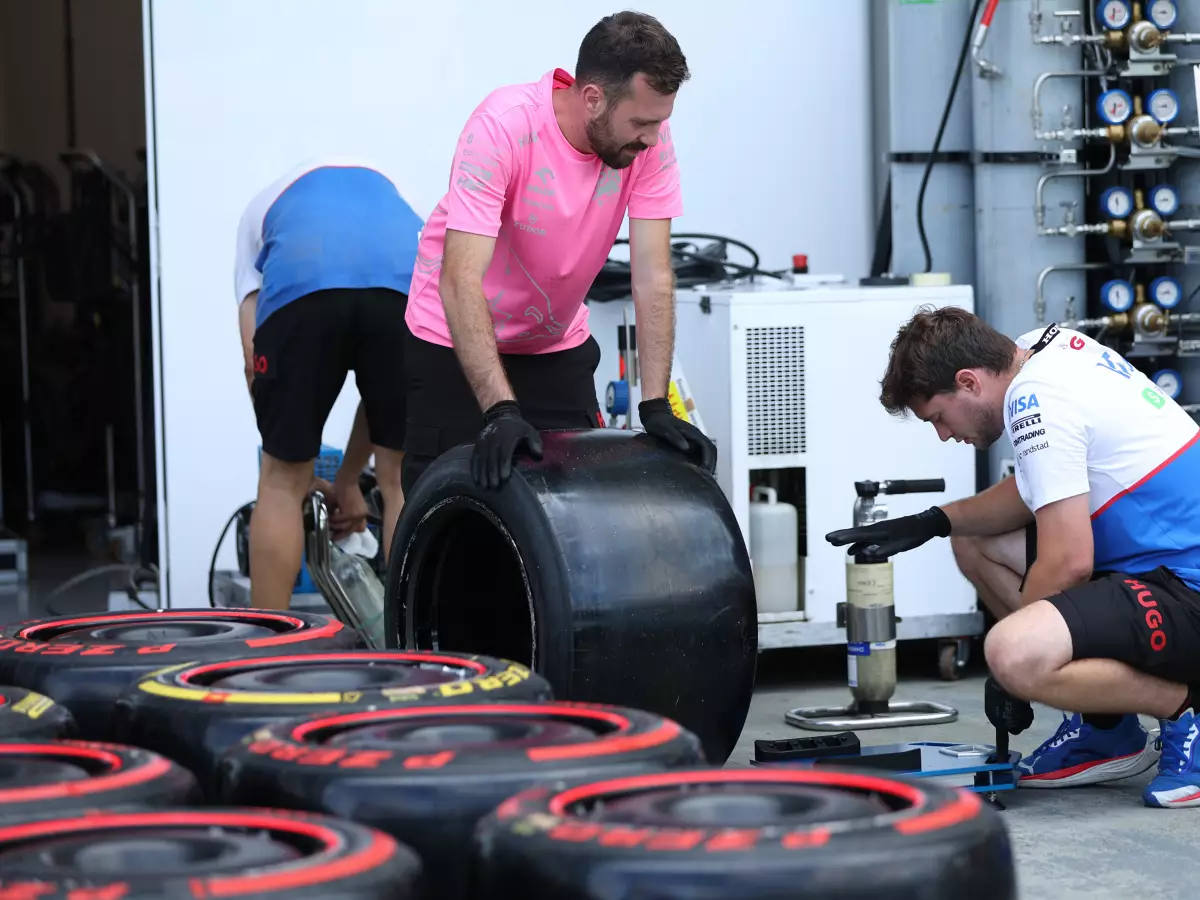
[848, 718]
[319, 548]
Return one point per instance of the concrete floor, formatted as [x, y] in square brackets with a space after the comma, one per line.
[1091, 842]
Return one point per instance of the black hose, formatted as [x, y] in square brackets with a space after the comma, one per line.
[937, 143]
[752, 269]
[212, 566]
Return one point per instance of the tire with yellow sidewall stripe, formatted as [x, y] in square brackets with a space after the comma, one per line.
[29, 716]
[194, 712]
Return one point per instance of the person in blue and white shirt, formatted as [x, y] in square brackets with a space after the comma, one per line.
[1089, 557]
[324, 261]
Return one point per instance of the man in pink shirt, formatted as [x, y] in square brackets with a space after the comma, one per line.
[543, 175]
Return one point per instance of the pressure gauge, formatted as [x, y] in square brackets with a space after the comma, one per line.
[1117, 295]
[1164, 14]
[1169, 382]
[1164, 106]
[616, 398]
[1164, 200]
[1166, 292]
[1115, 14]
[1115, 107]
[1117, 202]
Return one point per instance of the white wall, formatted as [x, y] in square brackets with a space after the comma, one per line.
[243, 90]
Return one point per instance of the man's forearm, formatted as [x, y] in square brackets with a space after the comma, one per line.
[998, 510]
[1047, 577]
[358, 449]
[474, 337]
[654, 307]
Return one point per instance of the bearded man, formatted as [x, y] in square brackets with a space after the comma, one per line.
[543, 175]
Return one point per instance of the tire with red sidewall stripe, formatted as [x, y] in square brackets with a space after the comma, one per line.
[29, 716]
[251, 854]
[195, 711]
[751, 834]
[426, 775]
[86, 662]
[67, 777]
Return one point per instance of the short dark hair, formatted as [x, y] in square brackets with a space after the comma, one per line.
[930, 350]
[625, 43]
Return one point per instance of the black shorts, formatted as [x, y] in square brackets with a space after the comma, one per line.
[1147, 620]
[302, 353]
[556, 391]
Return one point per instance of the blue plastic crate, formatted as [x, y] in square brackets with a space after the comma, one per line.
[326, 466]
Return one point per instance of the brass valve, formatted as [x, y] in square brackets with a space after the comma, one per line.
[1148, 319]
[1144, 36]
[1145, 130]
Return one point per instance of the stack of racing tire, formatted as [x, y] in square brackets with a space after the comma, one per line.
[254, 754]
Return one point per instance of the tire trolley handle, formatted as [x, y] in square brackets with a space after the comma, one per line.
[914, 486]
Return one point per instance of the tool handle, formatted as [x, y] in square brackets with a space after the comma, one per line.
[1001, 744]
[915, 486]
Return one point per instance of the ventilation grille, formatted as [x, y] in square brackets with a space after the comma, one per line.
[775, 390]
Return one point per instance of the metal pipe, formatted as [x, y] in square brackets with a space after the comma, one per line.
[1041, 81]
[1184, 225]
[1082, 324]
[111, 474]
[1100, 54]
[1039, 303]
[1039, 204]
[1070, 230]
[139, 424]
[23, 324]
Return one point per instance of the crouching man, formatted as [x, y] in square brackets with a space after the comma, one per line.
[1089, 557]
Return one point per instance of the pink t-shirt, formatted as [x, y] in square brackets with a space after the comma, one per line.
[554, 212]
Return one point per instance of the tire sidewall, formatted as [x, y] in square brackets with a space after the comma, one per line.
[88, 682]
[447, 485]
[196, 731]
[524, 843]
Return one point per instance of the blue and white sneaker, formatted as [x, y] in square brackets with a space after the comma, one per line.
[1079, 754]
[1177, 783]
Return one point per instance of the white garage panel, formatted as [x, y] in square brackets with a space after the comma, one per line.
[242, 89]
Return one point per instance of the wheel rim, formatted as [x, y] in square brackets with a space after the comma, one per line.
[333, 672]
[466, 733]
[166, 627]
[138, 852]
[101, 768]
[545, 731]
[314, 842]
[734, 806]
[21, 772]
[911, 809]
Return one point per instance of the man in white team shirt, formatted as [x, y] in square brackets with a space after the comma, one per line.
[1089, 557]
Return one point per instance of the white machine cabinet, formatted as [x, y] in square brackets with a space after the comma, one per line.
[786, 382]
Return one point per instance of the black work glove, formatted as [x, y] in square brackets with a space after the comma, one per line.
[659, 421]
[503, 434]
[1004, 710]
[892, 536]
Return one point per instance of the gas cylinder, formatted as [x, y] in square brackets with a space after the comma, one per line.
[774, 551]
